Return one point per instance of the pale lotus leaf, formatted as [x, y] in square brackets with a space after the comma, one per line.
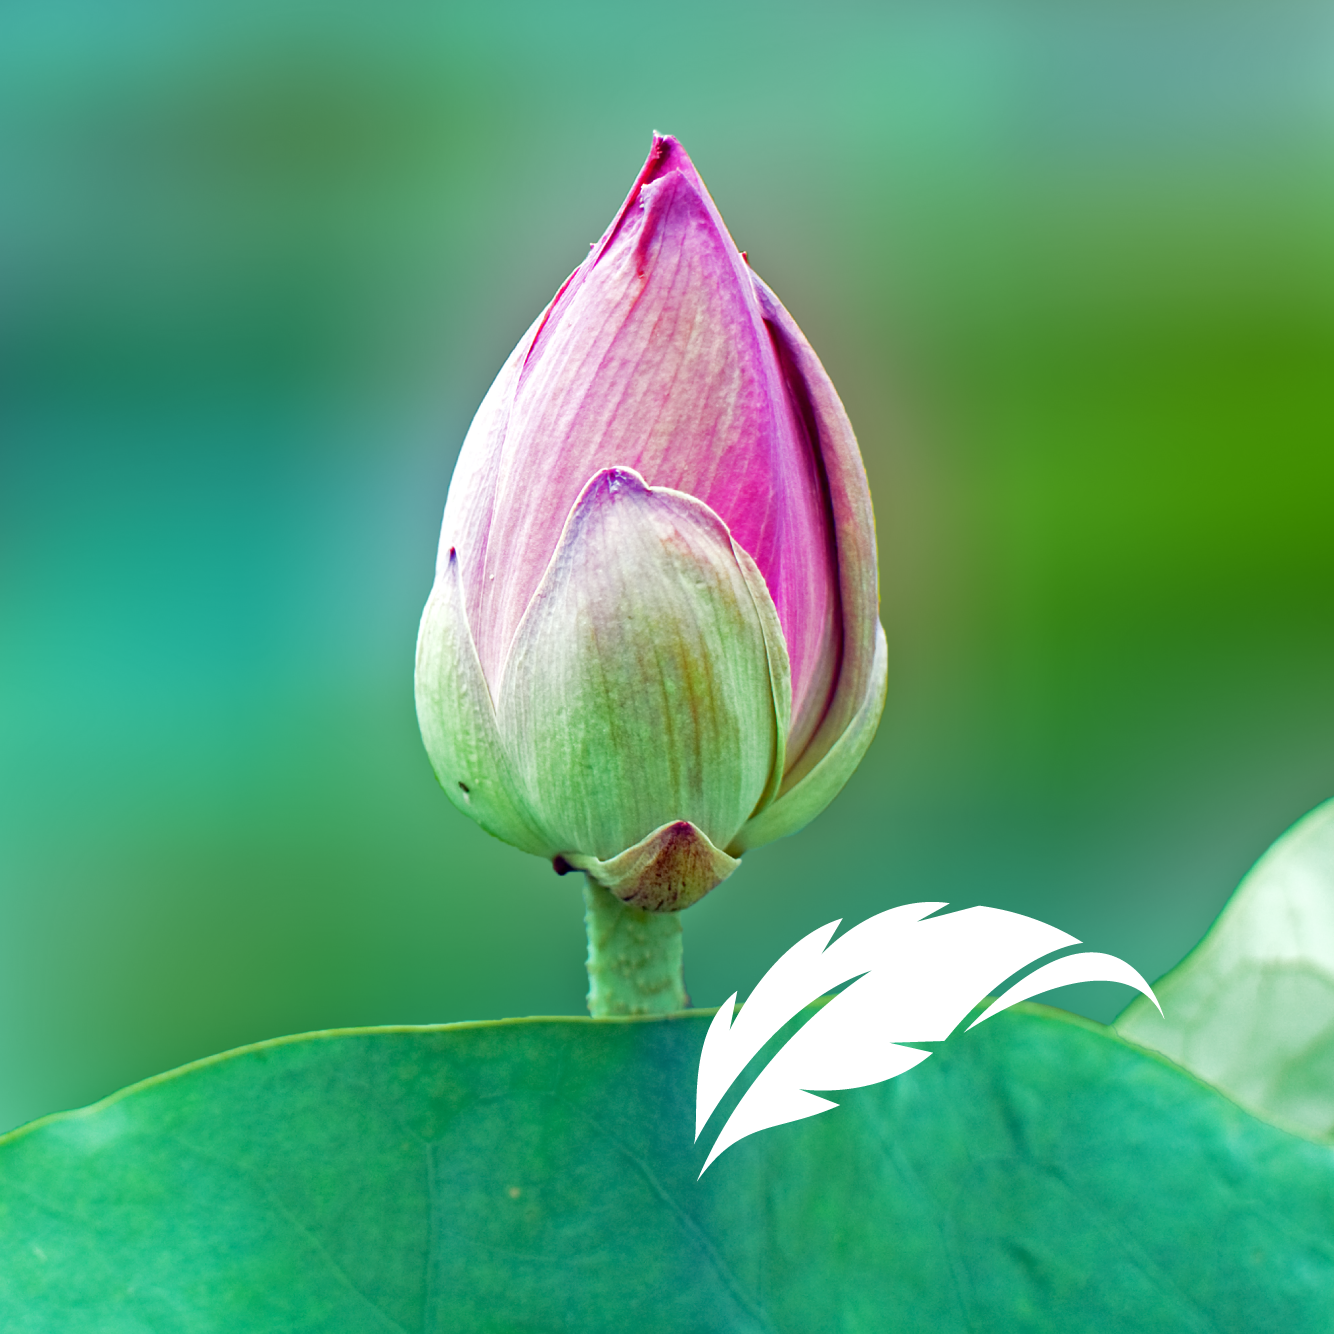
[1251, 1008]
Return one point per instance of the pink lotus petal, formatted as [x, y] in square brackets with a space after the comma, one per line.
[656, 355]
[849, 501]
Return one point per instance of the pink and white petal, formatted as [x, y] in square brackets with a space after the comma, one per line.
[656, 356]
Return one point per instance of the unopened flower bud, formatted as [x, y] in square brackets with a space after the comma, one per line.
[653, 639]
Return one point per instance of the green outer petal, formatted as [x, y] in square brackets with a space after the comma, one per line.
[803, 802]
[639, 687]
[458, 721]
[780, 667]
[1251, 1008]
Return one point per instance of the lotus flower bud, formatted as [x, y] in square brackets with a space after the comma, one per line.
[653, 639]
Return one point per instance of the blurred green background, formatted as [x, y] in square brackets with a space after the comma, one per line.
[1071, 267]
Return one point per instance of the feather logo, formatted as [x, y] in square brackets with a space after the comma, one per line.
[917, 978]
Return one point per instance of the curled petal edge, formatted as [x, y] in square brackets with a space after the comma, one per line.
[780, 666]
[802, 802]
[675, 866]
[854, 539]
[458, 719]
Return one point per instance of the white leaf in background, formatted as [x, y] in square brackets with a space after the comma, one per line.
[1252, 1006]
[918, 977]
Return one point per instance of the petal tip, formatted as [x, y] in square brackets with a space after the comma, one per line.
[619, 478]
[607, 484]
[666, 154]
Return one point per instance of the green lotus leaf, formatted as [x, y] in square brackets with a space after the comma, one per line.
[1035, 1175]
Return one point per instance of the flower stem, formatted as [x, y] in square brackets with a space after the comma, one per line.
[634, 958]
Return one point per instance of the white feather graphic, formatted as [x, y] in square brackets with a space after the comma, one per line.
[917, 978]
